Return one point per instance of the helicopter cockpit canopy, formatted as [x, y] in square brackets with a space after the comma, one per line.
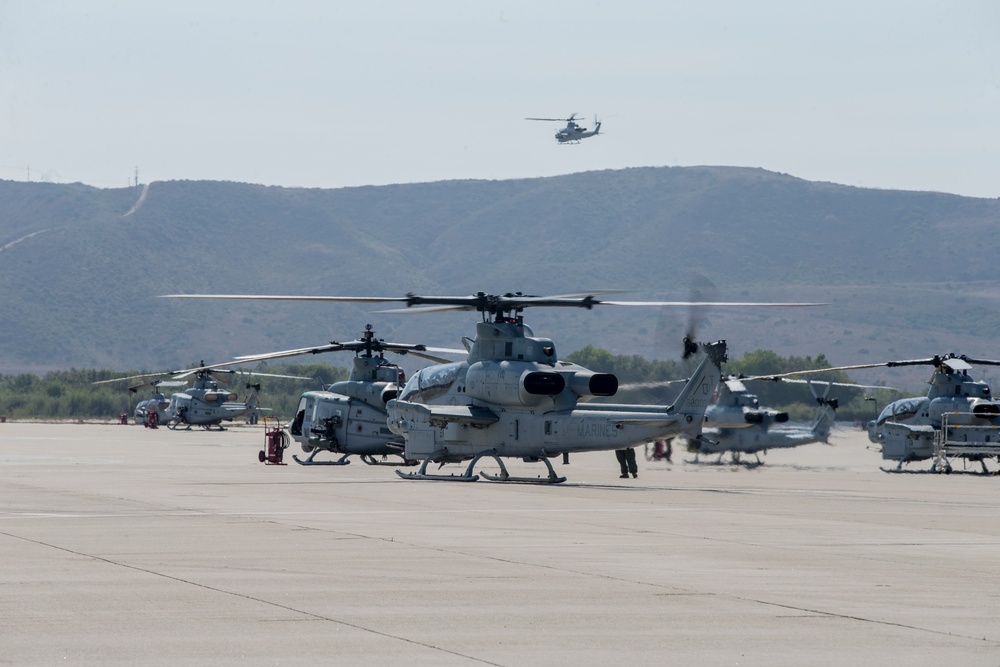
[430, 382]
[901, 410]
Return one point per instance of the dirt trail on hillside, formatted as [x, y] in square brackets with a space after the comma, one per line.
[138, 203]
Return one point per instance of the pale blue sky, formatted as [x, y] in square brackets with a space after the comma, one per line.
[331, 94]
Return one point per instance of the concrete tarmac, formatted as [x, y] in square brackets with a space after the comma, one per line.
[122, 546]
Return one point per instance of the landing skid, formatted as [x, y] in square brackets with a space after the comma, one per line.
[470, 476]
[185, 426]
[903, 462]
[372, 461]
[343, 460]
[308, 461]
[504, 476]
[944, 466]
[735, 460]
[467, 476]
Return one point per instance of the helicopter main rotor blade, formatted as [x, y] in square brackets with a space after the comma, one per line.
[430, 357]
[771, 378]
[491, 303]
[130, 377]
[742, 304]
[272, 297]
[156, 385]
[319, 349]
[274, 375]
[981, 362]
[356, 346]
[209, 370]
[835, 384]
[182, 373]
[780, 376]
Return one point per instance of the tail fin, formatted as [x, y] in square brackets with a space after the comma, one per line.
[693, 400]
[826, 409]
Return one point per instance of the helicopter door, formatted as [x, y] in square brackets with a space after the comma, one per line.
[300, 415]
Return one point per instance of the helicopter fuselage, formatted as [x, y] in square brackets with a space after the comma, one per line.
[736, 408]
[513, 397]
[157, 402]
[760, 438]
[201, 407]
[906, 429]
[348, 418]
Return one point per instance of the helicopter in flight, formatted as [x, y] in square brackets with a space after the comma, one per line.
[513, 397]
[573, 133]
[349, 417]
[205, 403]
[957, 419]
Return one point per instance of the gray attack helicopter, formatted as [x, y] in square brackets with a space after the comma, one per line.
[151, 411]
[737, 424]
[513, 397]
[957, 419]
[349, 417]
[205, 403]
[572, 133]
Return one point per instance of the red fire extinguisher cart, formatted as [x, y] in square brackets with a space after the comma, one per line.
[275, 443]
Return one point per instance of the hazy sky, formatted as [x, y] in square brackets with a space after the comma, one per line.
[330, 94]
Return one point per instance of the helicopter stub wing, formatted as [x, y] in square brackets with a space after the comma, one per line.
[450, 414]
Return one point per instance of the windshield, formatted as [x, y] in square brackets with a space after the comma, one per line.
[903, 409]
[430, 382]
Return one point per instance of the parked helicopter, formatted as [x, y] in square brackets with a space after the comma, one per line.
[204, 404]
[512, 397]
[151, 411]
[957, 419]
[736, 423]
[572, 133]
[349, 417]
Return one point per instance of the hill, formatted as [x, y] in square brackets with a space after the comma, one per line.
[81, 271]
